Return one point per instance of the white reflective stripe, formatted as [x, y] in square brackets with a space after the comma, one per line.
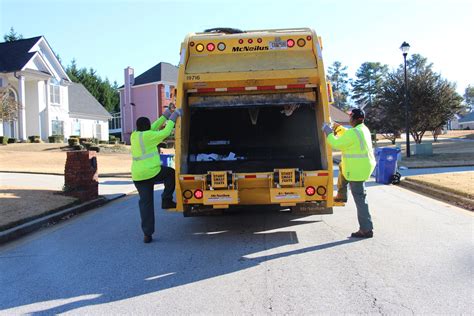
[250, 88]
[281, 87]
[142, 144]
[311, 174]
[310, 85]
[142, 157]
[257, 176]
[221, 89]
[359, 136]
[192, 90]
[355, 156]
[196, 178]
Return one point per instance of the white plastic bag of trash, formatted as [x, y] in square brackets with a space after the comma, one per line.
[215, 157]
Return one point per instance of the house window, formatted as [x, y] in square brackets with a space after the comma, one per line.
[57, 127]
[167, 92]
[54, 92]
[76, 128]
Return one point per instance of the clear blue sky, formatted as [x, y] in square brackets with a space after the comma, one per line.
[110, 35]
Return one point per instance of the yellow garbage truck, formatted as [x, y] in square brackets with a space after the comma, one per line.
[253, 105]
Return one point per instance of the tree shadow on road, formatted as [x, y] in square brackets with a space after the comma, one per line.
[114, 265]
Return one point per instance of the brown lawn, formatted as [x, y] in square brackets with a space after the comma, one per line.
[19, 204]
[50, 158]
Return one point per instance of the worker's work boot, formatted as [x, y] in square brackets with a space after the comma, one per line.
[167, 204]
[363, 234]
[147, 239]
[340, 198]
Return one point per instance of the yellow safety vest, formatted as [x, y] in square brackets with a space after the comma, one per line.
[146, 162]
[358, 159]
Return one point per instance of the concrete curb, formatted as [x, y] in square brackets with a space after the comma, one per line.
[438, 194]
[51, 219]
[104, 175]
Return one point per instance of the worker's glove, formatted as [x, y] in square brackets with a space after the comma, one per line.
[167, 113]
[326, 129]
[177, 113]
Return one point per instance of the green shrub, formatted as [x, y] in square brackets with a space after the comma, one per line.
[3, 140]
[83, 140]
[103, 142]
[75, 136]
[112, 138]
[73, 142]
[12, 140]
[34, 139]
[77, 147]
[113, 142]
[94, 141]
[56, 138]
[87, 145]
[94, 148]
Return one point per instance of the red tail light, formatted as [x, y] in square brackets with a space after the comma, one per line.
[198, 194]
[290, 43]
[211, 47]
[259, 40]
[241, 41]
[308, 38]
[250, 41]
[310, 191]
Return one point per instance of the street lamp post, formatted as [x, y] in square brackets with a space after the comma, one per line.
[404, 48]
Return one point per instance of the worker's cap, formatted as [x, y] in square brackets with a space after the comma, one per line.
[357, 114]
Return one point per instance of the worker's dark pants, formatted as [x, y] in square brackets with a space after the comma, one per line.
[146, 190]
[360, 198]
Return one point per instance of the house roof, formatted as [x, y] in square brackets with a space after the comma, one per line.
[467, 118]
[160, 72]
[338, 115]
[15, 55]
[82, 103]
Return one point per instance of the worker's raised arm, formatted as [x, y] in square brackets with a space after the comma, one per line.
[161, 120]
[159, 136]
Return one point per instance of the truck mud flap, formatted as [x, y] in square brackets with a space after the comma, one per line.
[311, 209]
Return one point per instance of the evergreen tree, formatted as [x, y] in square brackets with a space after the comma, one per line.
[338, 76]
[366, 87]
[469, 97]
[104, 92]
[12, 36]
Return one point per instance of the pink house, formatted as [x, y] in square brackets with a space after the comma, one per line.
[148, 95]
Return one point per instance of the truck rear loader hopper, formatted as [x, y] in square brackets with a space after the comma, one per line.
[250, 130]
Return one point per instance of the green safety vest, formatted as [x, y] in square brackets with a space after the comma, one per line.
[358, 159]
[146, 162]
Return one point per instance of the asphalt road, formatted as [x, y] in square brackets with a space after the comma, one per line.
[420, 261]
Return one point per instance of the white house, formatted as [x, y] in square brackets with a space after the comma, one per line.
[88, 117]
[35, 78]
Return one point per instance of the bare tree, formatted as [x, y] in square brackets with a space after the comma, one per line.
[8, 105]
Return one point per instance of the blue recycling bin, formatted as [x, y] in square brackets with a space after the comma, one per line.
[386, 164]
[167, 160]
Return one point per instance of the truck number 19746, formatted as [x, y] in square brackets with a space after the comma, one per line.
[193, 77]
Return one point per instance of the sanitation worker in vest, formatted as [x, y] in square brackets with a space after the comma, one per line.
[356, 166]
[147, 169]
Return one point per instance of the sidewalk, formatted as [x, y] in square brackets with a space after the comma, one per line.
[25, 189]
